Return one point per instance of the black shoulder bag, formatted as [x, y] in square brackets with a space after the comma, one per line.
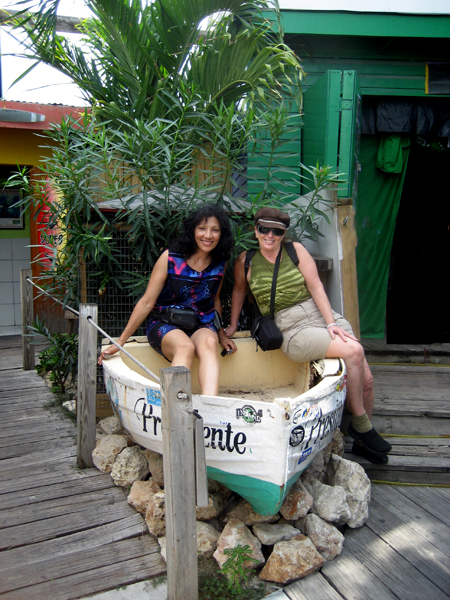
[264, 330]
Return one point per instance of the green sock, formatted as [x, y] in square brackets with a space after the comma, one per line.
[361, 424]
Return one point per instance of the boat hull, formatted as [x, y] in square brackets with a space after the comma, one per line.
[257, 448]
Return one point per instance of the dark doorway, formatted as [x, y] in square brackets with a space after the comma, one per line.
[418, 290]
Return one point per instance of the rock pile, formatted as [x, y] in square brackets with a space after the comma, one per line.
[331, 494]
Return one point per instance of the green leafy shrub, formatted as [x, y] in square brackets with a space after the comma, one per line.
[60, 359]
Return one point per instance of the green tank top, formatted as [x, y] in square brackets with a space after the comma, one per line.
[291, 286]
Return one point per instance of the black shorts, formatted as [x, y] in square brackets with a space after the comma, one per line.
[156, 330]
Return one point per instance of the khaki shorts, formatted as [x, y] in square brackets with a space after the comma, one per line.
[305, 333]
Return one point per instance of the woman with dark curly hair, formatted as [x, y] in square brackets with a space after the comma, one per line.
[187, 279]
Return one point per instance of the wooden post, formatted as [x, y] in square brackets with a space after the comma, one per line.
[347, 231]
[87, 379]
[178, 423]
[26, 291]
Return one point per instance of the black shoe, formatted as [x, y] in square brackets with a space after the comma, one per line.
[374, 457]
[372, 440]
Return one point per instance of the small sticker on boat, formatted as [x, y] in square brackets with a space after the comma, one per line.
[297, 435]
[153, 397]
[310, 412]
[304, 455]
[249, 414]
[341, 384]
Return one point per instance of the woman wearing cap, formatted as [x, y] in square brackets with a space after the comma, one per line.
[311, 329]
[188, 276]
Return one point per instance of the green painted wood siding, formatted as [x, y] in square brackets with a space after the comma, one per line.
[366, 24]
[379, 78]
[384, 66]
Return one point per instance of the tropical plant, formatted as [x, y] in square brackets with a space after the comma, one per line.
[186, 95]
[138, 59]
[236, 567]
[60, 359]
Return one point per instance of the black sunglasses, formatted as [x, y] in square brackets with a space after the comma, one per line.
[266, 230]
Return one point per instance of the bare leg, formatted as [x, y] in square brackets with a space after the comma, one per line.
[178, 348]
[353, 354]
[206, 346]
[368, 394]
[360, 400]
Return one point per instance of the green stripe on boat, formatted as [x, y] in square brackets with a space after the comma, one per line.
[265, 497]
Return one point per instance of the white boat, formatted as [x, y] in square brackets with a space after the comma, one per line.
[271, 417]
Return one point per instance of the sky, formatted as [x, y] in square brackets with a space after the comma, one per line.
[44, 84]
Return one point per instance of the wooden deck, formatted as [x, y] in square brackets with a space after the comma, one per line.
[401, 553]
[66, 534]
[412, 406]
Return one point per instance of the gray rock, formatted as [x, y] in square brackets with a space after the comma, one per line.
[207, 537]
[215, 505]
[130, 466]
[105, 453]
[110, 425]
[155, 465]
[234, 533]
[155, 517]
[330, 503]
[269, 534]
[140, 494]
[326, 538]
[353, 479]
[297, 503]
[245, 513]
[290, 561]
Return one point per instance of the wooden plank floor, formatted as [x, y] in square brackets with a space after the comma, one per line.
[401, 553]
[65, 533]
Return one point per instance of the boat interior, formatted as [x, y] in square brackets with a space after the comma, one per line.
[249, 372]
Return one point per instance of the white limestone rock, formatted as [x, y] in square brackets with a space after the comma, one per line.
[353, 479]
[330, 503]
[291, 561]
[155, 517]
[110, 425]
[328, 540]
[141, 493]
[207, 537]
[162, 541]
[270, 534]
[215, 505]
[155, 465]
[105, 453]
[234, 533]
[245, 513]
[130, 466]
[297, 504]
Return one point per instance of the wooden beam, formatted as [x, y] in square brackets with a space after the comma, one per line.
[87, 380]
[347, 233]
[26, 291]
[178, 422]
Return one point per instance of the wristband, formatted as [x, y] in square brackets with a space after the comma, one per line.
[331, 325]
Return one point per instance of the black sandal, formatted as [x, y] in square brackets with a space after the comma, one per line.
[374, 457]
[372, 440]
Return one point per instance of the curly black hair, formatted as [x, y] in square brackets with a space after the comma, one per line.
[186, 245]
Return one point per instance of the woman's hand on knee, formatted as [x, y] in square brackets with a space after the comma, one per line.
[335, 330]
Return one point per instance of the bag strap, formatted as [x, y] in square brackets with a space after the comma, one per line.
[290, 249]
[274, 282]
[248, 260]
